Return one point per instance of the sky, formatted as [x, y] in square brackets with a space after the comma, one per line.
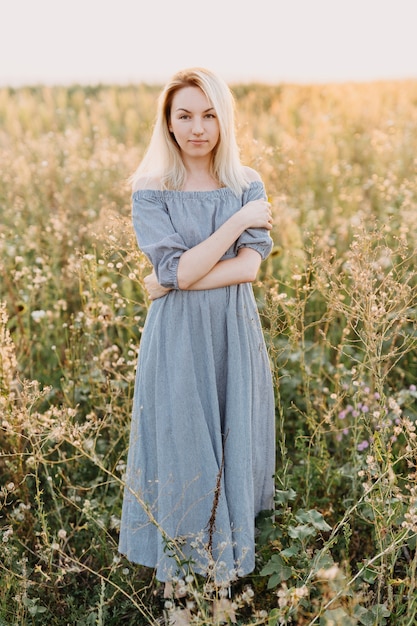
[130, 41]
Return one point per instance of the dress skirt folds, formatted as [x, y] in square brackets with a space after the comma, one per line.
[202, 444]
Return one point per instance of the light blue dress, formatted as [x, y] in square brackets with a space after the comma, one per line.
[203, 413]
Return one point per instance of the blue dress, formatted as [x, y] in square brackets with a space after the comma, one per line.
[202, 444]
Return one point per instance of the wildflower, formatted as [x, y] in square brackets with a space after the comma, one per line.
[7, 534]
[37, 316]
[363, 445]
[248, 595]
[394, 406]
[181, 588]
[281, 296]
[300, 592]
[282, 596]
[121, 467]
[62, 533]
[328, 574]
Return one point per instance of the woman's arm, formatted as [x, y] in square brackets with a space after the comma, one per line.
[195, 263]
[179, 267]
[242, 268]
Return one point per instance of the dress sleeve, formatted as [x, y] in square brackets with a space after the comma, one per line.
[156, 235]
[256, 238]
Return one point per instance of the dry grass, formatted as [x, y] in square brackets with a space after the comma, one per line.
[338, 303]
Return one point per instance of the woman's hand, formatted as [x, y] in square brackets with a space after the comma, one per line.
[256, 214]
[153, 288]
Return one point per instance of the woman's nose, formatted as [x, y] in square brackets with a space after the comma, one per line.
[198, 127]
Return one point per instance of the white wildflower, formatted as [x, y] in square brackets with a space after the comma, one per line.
[37, 316]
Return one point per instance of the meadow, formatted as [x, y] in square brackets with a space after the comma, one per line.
[338, 302]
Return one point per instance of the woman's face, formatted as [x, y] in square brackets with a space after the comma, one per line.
[194, 123]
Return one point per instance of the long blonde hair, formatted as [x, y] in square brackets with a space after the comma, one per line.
[162, 159]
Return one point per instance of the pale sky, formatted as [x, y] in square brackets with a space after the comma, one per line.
[123, 41]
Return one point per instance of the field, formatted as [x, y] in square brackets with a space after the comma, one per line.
[338, 302]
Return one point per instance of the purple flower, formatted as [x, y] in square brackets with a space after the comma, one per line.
[363, 445]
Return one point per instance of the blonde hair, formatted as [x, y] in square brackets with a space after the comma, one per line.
[162, 159]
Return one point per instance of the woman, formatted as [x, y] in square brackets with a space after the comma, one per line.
[202, 449]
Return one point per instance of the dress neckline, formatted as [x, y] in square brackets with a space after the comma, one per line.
[190, 193]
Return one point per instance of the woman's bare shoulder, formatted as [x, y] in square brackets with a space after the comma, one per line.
[147, 183]
[251, 175]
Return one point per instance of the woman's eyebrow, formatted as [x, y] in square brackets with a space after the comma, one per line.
[187, 111]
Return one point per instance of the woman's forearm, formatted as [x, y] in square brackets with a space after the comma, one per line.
[197, 262]
[240, 269]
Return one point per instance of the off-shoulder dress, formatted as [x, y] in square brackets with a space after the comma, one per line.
[201, 456]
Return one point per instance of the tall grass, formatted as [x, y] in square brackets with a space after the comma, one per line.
[338, 304]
